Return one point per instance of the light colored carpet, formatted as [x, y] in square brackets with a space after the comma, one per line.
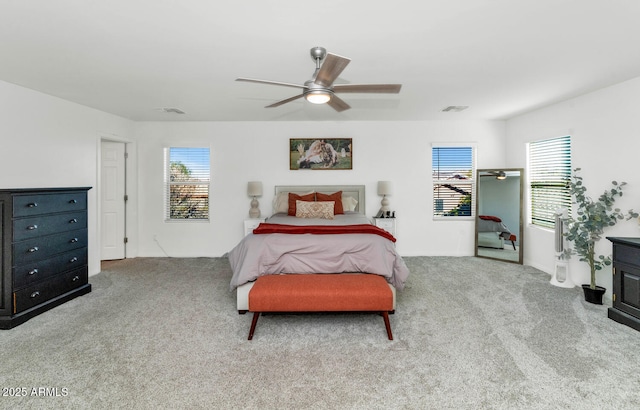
[470, 333]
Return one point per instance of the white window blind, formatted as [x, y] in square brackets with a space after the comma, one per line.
[549, 176]
[453, 175]
[187, 179]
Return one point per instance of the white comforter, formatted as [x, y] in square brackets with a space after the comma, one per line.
[279, 253]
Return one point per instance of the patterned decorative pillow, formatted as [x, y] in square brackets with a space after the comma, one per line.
[323, 210]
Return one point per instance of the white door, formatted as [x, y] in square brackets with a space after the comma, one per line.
[112, 180]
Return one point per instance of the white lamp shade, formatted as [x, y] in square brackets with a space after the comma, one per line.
[254, 188]
[385, 188]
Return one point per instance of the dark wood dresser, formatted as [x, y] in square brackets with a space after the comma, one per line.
[43, 252]
[626, 281]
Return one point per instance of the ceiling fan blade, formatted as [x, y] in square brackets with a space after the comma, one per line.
[279, 103]
[253, 80]
[338, 104]
[331, 68]
[367, 88]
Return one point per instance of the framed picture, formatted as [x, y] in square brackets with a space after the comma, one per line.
[320, 153]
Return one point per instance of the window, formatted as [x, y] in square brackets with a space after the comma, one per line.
[453, 174]
[549, 175]
[187, 179]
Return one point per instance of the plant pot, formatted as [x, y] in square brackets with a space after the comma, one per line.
[593, 295]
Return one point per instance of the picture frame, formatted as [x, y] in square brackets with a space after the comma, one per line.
[320, 154]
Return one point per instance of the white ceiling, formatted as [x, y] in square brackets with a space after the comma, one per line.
[499, 57]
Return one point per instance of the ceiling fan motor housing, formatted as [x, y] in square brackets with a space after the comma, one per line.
[318, 54]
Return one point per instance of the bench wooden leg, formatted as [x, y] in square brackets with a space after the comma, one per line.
[385, 315]
[256, 315]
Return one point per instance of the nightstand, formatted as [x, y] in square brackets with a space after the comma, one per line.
[251, 224]
[388, 224]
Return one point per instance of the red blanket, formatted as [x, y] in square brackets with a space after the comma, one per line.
[322, 229]
[490, 218]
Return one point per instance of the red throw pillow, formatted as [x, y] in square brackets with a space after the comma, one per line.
[335, 197]
[295, 197]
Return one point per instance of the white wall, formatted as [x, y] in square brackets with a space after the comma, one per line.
[242, 151]
[49, 142]
[605, 142]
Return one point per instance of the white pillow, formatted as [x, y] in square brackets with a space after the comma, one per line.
[318, 209]
[349, 203]
[281, 202]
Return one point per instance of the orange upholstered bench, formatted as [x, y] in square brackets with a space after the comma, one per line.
[321, 293]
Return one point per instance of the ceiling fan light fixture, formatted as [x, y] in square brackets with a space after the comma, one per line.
[318, 97]
[501, 175]
[319, 89]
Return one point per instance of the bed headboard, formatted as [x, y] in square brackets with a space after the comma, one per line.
[354, 191]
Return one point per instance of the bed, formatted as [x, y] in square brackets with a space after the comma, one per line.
[288, 244]
[492, 232]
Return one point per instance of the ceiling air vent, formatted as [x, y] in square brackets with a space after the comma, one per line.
[170, 110]
[455, 108]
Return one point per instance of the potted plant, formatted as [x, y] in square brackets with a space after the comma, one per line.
[587, 228]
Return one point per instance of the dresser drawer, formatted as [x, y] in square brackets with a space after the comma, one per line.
[26, 228]
[386, 225]
[29, 273]
[626, 254]
[44, 247]
[47, 289]
[38, 204]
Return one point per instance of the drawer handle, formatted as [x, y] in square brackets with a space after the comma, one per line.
[33, 272]
[73, 201]
[74, 240]
[74, 259]
[34, 249]
[35, 294]
[75, 278]
[32, 227]
[32, 205]
[73, 221]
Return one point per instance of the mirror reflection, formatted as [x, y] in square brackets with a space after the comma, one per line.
[499, 214]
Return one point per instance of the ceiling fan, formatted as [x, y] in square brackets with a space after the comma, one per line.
[320, 88]
[497, 174]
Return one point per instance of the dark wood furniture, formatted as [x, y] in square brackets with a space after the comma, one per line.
[626, 281]
[43, 252]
